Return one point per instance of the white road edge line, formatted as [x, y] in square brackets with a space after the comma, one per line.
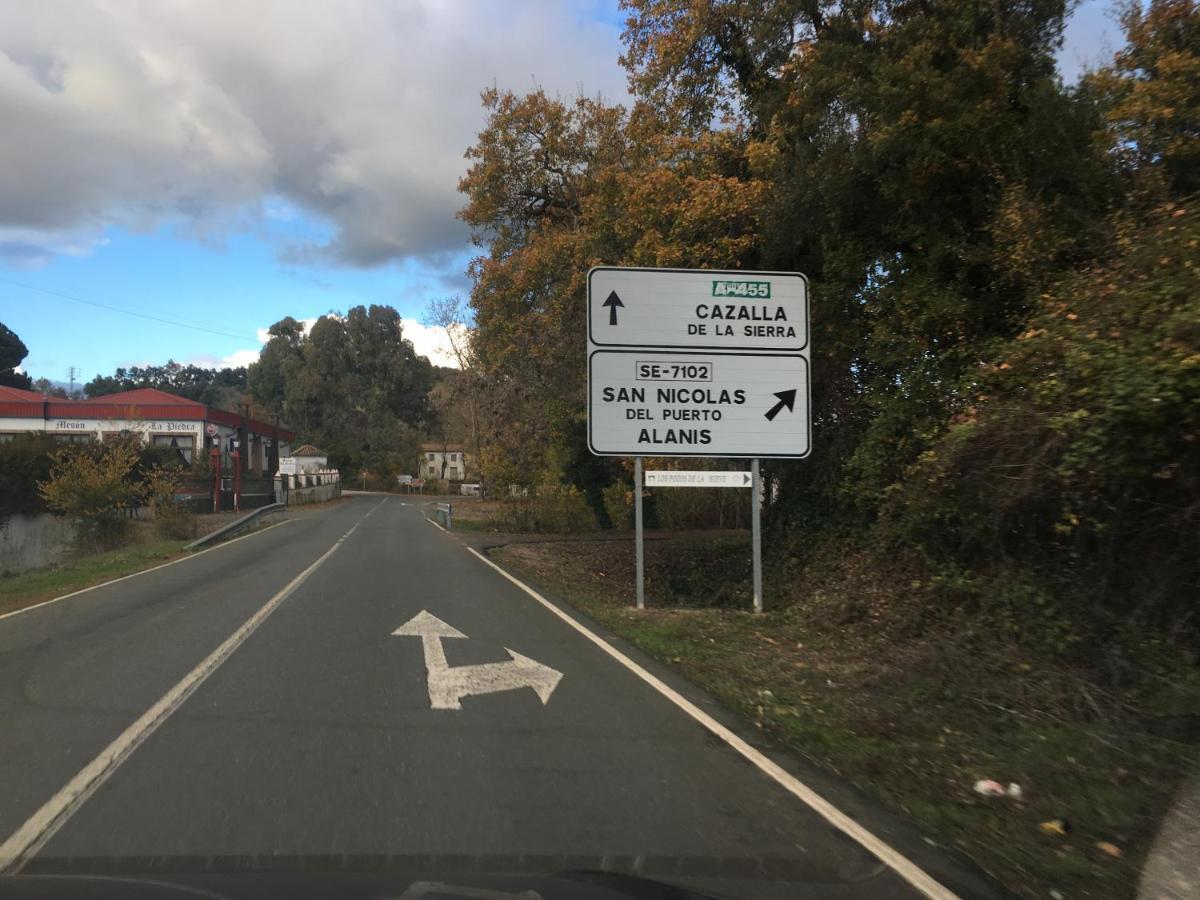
[433, 523]
[223, 544]
[900, 864]
[25, 842]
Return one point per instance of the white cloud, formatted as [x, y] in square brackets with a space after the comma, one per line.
[201, 114]
[33, 248]
[230, 361]
[430, 341]
[238, 358]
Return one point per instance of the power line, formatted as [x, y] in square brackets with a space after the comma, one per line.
[127, 312]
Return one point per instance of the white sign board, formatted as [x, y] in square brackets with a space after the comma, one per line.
[404, 479]
[646, 403]
[697, 309]
[288, 465]
[698, 479]
[691, 362]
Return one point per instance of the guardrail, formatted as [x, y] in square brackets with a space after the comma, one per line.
[234, 527]
[444, 514]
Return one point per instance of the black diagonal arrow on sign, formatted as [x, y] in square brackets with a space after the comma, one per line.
[612, 303]
[786, 398]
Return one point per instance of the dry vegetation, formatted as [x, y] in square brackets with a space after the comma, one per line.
[843, 670]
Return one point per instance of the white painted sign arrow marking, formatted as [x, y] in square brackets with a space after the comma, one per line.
[447, 686]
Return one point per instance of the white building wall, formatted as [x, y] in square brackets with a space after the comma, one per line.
[185, 431]
[456, 469]
[20, 426]
[98, 427]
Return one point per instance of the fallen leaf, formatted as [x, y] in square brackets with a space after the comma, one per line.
[1110, 849]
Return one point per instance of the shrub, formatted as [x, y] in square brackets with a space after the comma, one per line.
[551, 509]
[24, 461]
[618, 500]
[172, 518]
[1078, 452]
[93, 485]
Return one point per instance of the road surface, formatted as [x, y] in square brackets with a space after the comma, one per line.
[319, 735]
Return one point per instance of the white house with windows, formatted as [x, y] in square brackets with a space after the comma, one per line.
[442, 462]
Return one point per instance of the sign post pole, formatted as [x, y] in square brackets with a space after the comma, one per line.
[756, 533]
[698, 363]
[214, 465]
[637, 527]
[237, 481]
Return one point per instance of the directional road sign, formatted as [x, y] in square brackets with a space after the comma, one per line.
[698, 479]
[698, 362]
[697, 309]
[647, 403]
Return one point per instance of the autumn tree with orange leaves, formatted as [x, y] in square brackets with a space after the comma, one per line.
[925, 165]
[554, 188]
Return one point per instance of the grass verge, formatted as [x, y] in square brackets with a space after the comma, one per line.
[27, 588]
[147, 549]
[914, 716]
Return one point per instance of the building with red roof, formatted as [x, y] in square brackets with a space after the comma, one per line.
[162, 419]
[18, 395]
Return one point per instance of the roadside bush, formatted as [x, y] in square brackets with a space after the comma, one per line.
[551, 509]
[1077, 455]
[702, 508]
[200, 465]
[153, 456]
[678, 508]
[172, 519]
[24, 461]
[618, 500]
[92, 484]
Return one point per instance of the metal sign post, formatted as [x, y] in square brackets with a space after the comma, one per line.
[237, 480]
[214, 465]
[639, 552]
[702, 363]
[756, 532]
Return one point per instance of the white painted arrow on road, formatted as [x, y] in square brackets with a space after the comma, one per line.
[447, 686]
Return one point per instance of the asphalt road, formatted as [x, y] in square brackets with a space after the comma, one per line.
[314, 740]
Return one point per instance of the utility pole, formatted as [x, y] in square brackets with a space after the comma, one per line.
[71, 373]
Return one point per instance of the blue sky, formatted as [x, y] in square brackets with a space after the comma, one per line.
[174, 169]
[66, 310]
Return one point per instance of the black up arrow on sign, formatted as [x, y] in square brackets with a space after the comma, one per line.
[786, 398]
[612, 303]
